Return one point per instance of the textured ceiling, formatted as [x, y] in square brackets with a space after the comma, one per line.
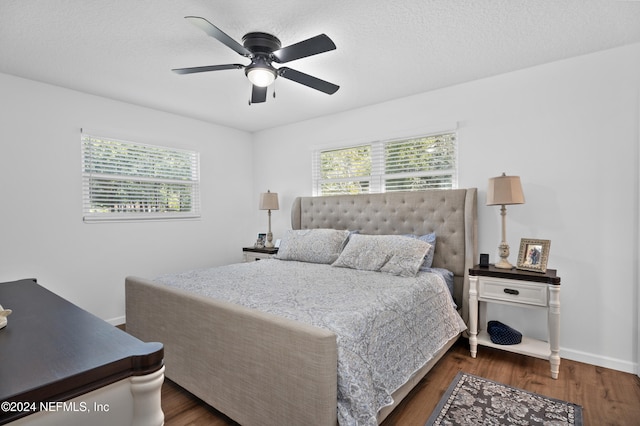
[125, 49]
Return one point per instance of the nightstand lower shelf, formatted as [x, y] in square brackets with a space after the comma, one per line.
[528, 346]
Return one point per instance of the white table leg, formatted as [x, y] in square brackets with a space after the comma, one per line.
[473, 315]
[147, 409]
[554, 329]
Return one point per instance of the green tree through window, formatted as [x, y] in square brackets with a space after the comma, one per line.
[124, 180]
[427, 162]
[346, 171]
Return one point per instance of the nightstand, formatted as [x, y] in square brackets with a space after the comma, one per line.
[522, 289]
[251, 254]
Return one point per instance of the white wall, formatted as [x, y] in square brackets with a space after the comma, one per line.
[569, 129]
[41, 227]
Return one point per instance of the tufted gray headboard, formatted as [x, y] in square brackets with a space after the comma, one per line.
[450, 213]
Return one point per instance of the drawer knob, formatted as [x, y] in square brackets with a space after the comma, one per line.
[511, 291]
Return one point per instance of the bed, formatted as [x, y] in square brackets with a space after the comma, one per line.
[260, 365]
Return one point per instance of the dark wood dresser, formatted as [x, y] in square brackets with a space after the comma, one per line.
[53, 351]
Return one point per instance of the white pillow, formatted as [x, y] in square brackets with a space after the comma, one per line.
[312, 245]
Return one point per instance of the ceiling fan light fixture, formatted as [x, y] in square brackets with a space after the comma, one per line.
[261, 77]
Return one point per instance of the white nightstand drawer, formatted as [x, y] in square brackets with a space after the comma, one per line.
[253, 256]
[512, 291]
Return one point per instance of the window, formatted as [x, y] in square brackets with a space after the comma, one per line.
[131, 181]
[427, 162]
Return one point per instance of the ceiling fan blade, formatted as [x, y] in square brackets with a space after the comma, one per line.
[258, 94]
[216, 33]
[207, 68]
[318, 44]
[308, 80]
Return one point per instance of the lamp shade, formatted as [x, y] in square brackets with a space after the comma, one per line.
[504, 190]
[268, 201]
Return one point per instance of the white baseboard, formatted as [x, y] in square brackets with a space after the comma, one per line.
[600, 361]
[117, 321]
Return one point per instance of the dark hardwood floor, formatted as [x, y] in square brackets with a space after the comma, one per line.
[608, 397]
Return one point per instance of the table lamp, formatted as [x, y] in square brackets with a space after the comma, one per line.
[269, 201]
[504, 190]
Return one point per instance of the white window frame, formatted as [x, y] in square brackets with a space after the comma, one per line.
[378, 176]
[137, 193]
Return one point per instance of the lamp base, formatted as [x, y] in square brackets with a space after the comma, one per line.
[503, 264]
[269, 242]
[503, 249]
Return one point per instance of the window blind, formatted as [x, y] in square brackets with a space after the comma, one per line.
[421, 163]
[130, 181]
[343, 171]
[427, 162]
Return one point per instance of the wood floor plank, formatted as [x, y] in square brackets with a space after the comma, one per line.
[181, 408]
[608, 397]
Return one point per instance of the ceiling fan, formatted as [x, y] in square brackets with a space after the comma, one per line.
[263, 49]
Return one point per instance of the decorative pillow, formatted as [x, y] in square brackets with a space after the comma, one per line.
[431, 239]
[312, 245]
[428, 259]
[393, 254]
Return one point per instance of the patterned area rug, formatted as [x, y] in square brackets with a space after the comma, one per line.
[472, 400]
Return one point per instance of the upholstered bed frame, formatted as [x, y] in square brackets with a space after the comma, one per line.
[260, 369]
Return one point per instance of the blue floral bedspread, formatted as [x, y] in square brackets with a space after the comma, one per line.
[387, 326]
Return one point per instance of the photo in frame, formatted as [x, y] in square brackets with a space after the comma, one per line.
[533, 255]
[262, 238]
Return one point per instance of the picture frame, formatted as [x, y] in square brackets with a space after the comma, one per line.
[533, 255]
[262, 239]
